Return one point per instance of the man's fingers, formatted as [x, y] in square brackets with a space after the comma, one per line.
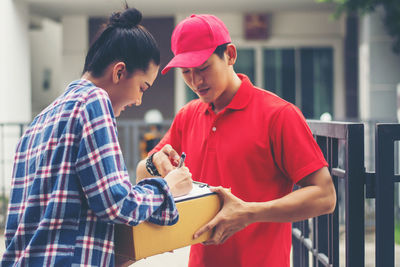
[219, 190]
[162, 160]
[222, 193]
[219, 237]
[167, 148]
[209, 226]
[215, 238]
[226, 236]
[201, 231]
[170, 152]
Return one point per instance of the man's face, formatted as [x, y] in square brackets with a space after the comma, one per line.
[209, 80]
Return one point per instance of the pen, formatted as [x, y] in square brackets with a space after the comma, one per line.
[200, 184]
[182, 159]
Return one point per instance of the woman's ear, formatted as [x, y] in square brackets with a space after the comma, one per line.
[119, 70]
[231, 54]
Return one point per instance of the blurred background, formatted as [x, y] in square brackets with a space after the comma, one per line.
[341, 68]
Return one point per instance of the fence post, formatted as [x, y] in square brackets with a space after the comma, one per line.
[355, 229]
[385, 136]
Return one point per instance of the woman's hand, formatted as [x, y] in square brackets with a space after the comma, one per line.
[179, 181]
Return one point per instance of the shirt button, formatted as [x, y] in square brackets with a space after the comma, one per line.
[214, 129]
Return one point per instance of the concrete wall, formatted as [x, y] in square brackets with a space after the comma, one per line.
[58, 47]
[15, 89]
[75, 43]
[379, 70]
[46, 52]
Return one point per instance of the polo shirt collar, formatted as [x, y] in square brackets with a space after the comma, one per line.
[242, 96]
[240, 99]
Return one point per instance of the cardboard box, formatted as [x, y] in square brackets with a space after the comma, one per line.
[147, 239]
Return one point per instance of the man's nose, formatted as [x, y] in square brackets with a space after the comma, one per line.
[196, 79]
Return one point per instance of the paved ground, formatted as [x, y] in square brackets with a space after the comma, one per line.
[179, 258]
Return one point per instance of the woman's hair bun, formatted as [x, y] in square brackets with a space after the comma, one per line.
[130, 18]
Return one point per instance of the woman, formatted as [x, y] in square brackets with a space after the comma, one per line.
[70, 184]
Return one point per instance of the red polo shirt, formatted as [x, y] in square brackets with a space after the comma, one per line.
[259, 146]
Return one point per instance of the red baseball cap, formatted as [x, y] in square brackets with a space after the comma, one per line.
[194, 40]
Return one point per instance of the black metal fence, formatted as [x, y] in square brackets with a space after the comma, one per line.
[343, 147]
[385, 138]
[320, 240]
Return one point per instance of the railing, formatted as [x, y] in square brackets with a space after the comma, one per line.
[343, 147]
[9, 134]
[386, 137]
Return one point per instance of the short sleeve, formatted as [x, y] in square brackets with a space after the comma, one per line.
[295, 151]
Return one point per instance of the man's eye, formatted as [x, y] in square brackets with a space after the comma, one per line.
[202, 69]
[185, 71]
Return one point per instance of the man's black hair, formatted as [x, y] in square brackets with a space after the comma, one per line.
[220, 50]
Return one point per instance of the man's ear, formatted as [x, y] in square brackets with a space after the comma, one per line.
[231, 54]
[119, 70]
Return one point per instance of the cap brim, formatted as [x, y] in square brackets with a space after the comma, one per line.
[189, 59]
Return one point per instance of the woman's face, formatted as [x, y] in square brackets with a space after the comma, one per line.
[130, 88]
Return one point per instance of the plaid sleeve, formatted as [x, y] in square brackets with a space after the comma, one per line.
[103, 175]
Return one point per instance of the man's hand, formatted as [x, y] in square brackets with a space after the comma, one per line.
[315, 197]
[179, 181]
[231, 218]
[165, 160]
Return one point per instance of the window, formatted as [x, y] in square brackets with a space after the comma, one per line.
[301, 75]
[316, 81]
[279, 73]
[246, 63]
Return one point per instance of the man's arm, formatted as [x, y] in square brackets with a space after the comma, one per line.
[316, 196]
[141, 172]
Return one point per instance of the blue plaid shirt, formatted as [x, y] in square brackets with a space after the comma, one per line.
[70, 186]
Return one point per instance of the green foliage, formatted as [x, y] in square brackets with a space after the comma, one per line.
[397, 233]
[391, 18]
